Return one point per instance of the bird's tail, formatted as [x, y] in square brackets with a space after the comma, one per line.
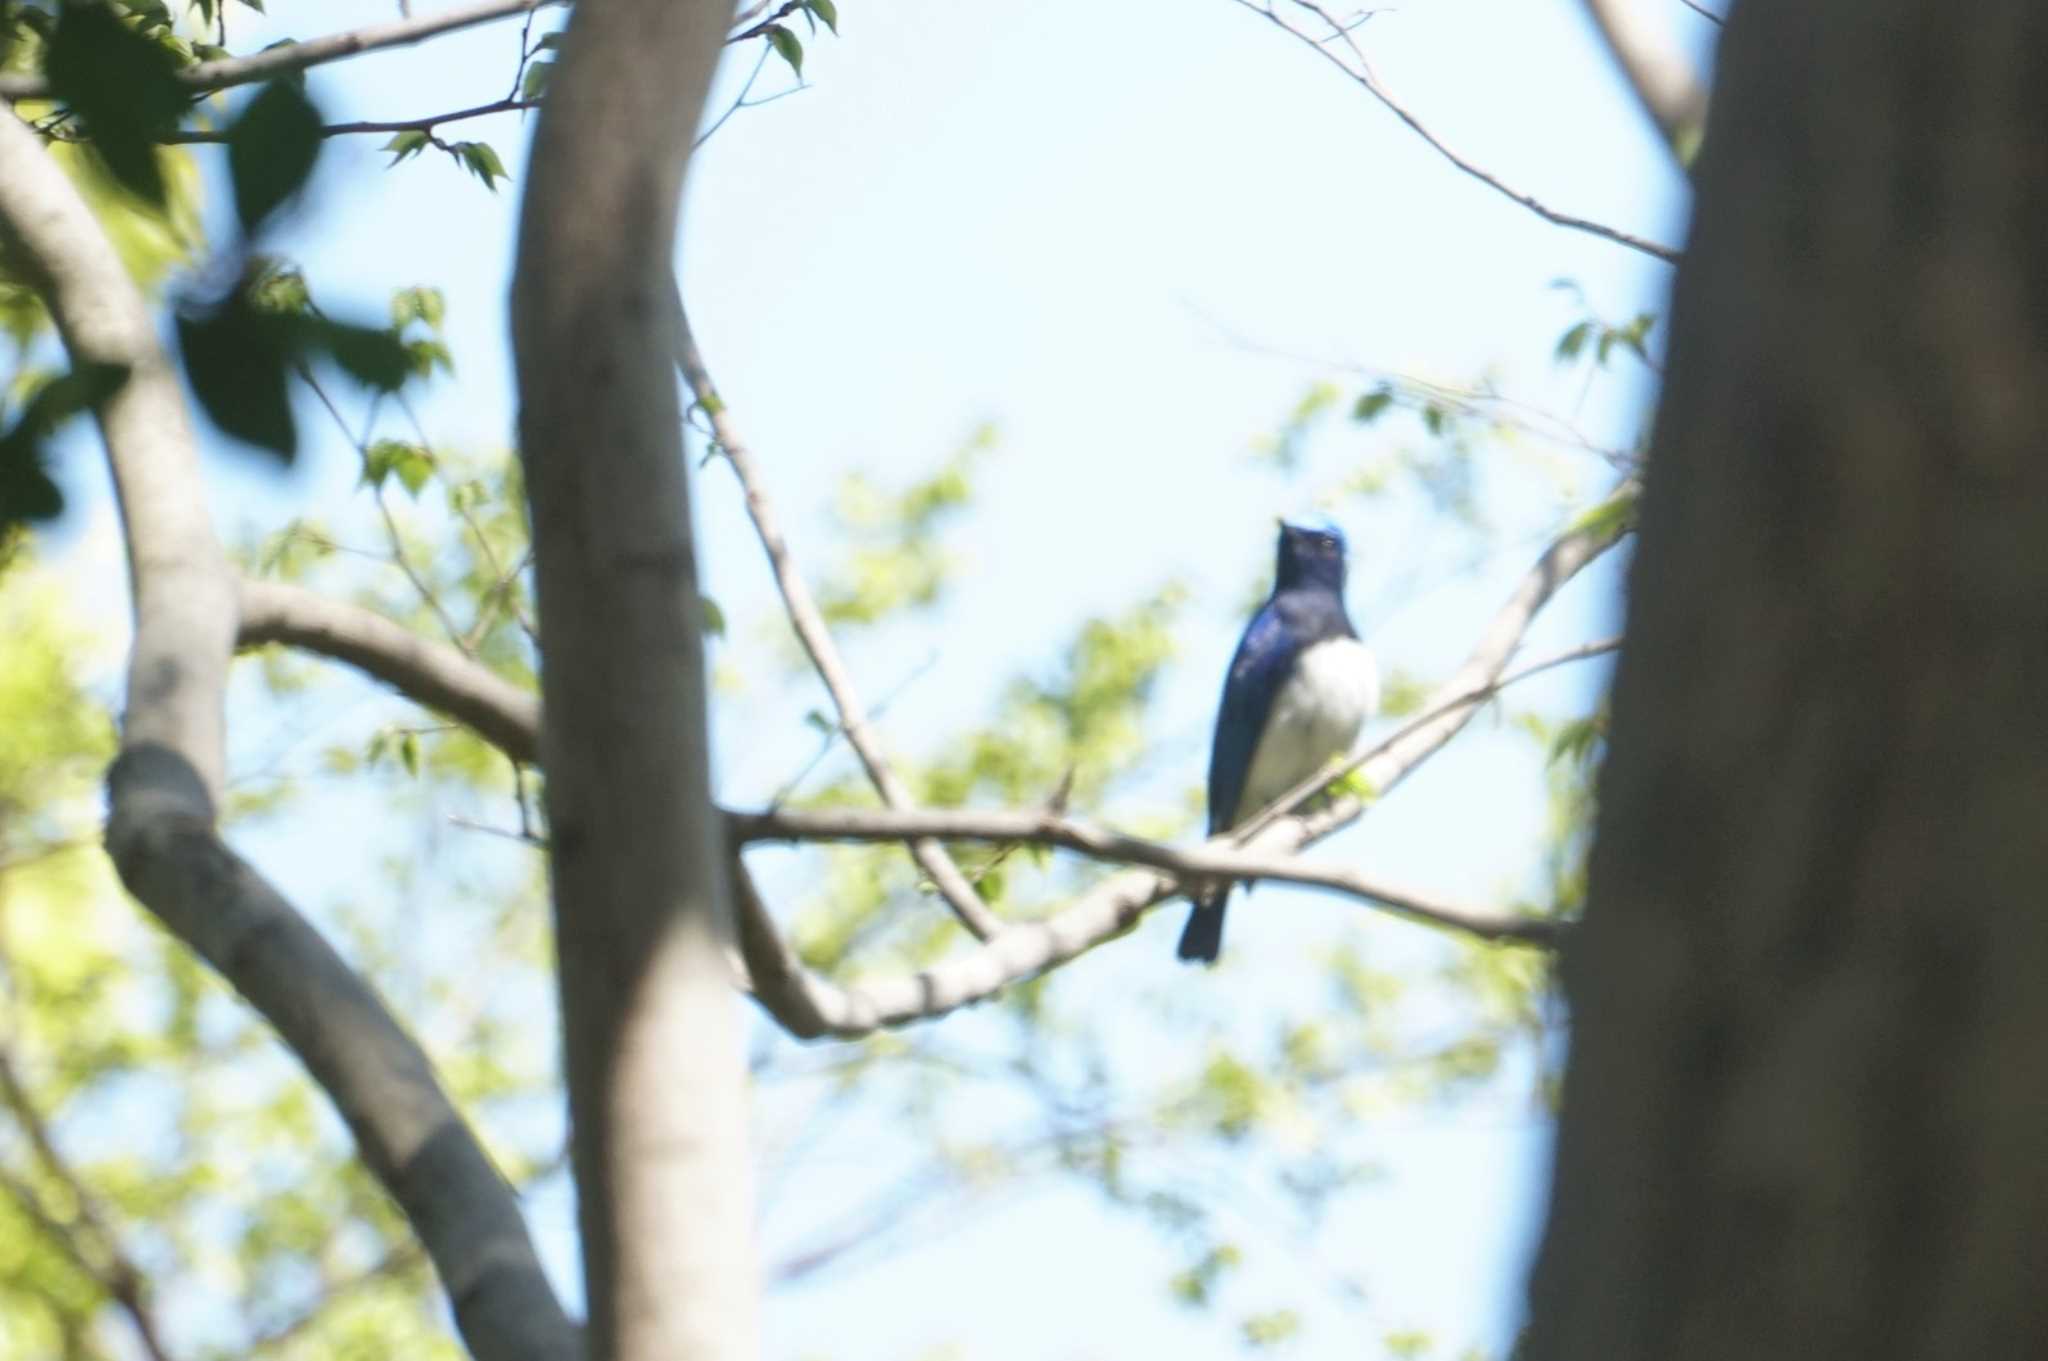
[1202, 939]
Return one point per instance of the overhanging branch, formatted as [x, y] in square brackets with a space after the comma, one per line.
[163, 790]
[809, 623]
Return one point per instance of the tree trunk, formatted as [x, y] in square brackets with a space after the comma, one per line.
[1806, 1111]
[657, 1086]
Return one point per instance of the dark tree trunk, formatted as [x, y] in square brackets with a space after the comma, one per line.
[1807, 1107]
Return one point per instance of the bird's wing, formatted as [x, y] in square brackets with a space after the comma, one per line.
[1265, 656]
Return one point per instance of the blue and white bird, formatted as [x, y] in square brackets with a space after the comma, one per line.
[1299, 689]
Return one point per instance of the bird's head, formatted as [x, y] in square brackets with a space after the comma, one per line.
[1310, 555]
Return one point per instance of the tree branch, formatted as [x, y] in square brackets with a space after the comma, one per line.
[435, 675]
[163, 789]
[118, 1276]
[427, 124]
[809, 624]
[1105, 843]
[1657, 70]
[1360, 71]
[809, 1006]
[289, 57]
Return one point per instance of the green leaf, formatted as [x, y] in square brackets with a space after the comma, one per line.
[409, 752]
[1371, 405]
[714, 617]
[404, 144]
[409, 462]
[26, 491]
[240, 353]
[418, 304]
[826, 11]
[823, 724]
[787, 47]
[236, 359]
[1613, 515]
[1433, 418]
[271, 150]
[535, 83]
[1574, 340]
[480, 161]
[123, 89]
[374, 357]
[427, 355]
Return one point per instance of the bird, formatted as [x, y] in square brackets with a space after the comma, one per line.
[1299, 688]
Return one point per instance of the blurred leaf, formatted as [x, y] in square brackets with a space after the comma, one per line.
[374, 357]
[385, 458]
[714, 617]
[271, 150]
[1573, 341]
[408, 143]
[827, 11]
[237, 358]
[26, 490]
[239, 354]
[122, 87]
[535, 83]
[1371, 405]
[1270, 1329]
[1614, 515]
[418, 304]
[480, 161]
[787, 47]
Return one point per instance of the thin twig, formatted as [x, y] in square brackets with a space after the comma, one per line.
[782, 11]
[1360, 70]
[399, 557]
[1703, 12]
[1185, 864]
[809, 624]
[427, 124]
[289, 57]
[119, 1277]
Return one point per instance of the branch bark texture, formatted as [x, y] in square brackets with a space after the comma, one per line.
[1639, 36]
[1805, 1107]
[164, 788]
[657, 1085]
[809, 623]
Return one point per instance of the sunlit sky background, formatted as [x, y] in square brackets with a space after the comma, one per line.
[1128, 234]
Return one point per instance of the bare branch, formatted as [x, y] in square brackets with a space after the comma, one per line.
[289, 57]
[1656, 68]
[1360, 70]
[163, 790]
[809, 624]
[432, 674]
[282, 60]
[782, 11]
[427, 124]
[1104, 843]
[809, 1006]
[118, 1275]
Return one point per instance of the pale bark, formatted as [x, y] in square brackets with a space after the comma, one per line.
[1639, 37]
[657, 1086]
[163, 791]
[1805, 1107]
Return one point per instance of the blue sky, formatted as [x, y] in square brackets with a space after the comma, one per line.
[1124, 232]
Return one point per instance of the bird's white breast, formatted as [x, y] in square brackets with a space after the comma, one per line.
[1322, 704]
